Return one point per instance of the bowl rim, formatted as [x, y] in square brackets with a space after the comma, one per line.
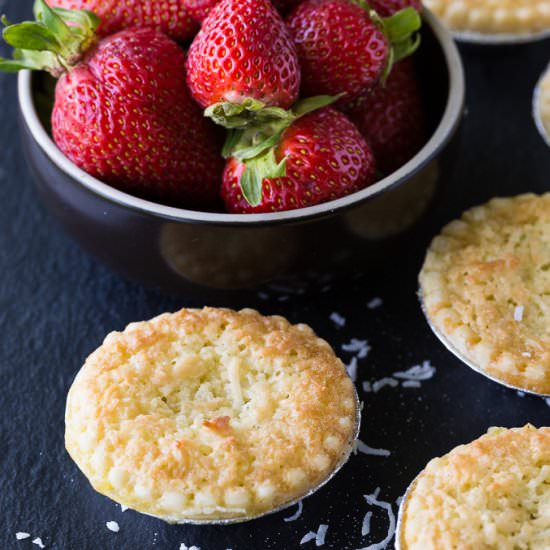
[499, 39]
[536, 106]
[445, 130]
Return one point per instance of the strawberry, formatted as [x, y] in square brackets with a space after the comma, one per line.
[242, 54]
[169, 16]
[199, 9]
[345, 47]
[392, 118]
[386, 8]
[122, 110]
[319, 157]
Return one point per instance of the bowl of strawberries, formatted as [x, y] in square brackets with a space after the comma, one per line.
[221, 144]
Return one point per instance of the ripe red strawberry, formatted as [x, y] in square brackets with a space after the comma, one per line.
[385, 8]
[199, 9]
[242, 52]
[122, 112]
[169, 16]
[392, 118]
[344, 47]
[326, 158]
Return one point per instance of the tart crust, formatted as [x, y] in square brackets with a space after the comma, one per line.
[491, 494]
[485, 285]
[210, 414]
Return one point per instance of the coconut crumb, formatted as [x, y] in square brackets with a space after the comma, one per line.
[21, 535]
[374, 303]
[362, 447]
[338, 319]
[360, 347]
[372, 500]
[318, 537]
[113, 526]
[38, 542]
[298, 513]
[518, 313]
[352, 369]
[365, 527]
[184, 547]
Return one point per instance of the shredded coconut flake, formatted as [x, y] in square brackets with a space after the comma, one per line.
[365, 449]
[318, 537]
[113, 526]
[298, 513]
[21, 536]
[360, 347]
[184, 547]
[411, 384]
[123, 508]
[38, 542]
[352, 369]
[338, 319]
[365, 528]
[372, 500]
[418, 372]
[379, 384]
[518, 313]
[374, 303]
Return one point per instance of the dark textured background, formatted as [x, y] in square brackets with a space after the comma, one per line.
[57, 304]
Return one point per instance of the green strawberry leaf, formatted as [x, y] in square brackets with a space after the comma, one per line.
[402, 31]
[402, 25]
[259, 148]
[258, 169]
[44, 14]
[12, 66]
[231, 141]
[241, 115]
[31, 36]
[49, 43]
[310, 104]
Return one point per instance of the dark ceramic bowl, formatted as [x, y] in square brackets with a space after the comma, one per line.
[186, 250]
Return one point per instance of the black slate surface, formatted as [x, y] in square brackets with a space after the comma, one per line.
[57, 304]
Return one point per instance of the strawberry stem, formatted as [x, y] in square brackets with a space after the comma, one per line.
[401, 30]
[241, 115]
[254, 139]
[259, 168]
[49, 43]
